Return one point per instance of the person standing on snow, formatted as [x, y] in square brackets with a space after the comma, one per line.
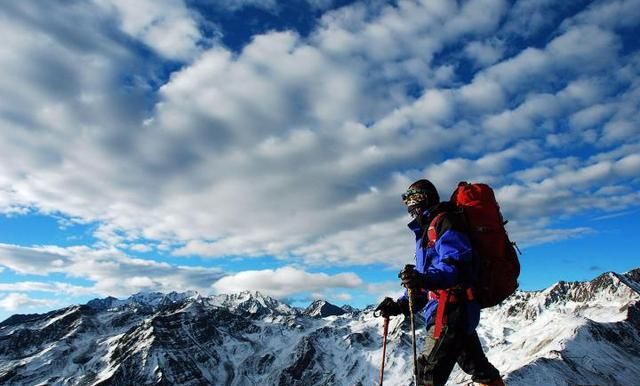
[448, 265]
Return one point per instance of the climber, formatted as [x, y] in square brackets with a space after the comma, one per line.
[440, 284]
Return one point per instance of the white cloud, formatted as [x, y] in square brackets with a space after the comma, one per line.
[167, 26]
[534, 174]
[582, 50]
[483, 94]
[473, 18]
[275, 149]
[610, 13]
[484, 53]
[490, 168]
[617, 130]
[385, 289]
[115, 274]
[345, 297]
[235, 5]
[50, 287]
[590, 47]
[141, 248]
[383, 243]
[16, 301]
[531, 235]
[528, 18]
[570, 188]
[591, 116]
[285, 281]
[110, 271]
[517, 71]
[627, 166]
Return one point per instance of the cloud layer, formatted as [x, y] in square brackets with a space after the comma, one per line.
[285, 281]
[111, 271]
[298, 147]
[16, 301]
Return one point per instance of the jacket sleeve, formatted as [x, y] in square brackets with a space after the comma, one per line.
[454, 253]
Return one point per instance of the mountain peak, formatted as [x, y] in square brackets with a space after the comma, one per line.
[252, 302]
[633, 275]
[145, 300]
[105, 303]
[348, 308]
[322, 308]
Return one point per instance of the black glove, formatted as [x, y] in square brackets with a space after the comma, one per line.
[411, 278]
[388, 307]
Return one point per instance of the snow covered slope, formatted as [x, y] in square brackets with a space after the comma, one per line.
[569, 334]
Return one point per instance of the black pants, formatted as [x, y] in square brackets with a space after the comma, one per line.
[438, 356]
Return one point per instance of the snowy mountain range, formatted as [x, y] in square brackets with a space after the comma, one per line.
[570, 334]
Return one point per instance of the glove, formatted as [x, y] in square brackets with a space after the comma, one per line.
[411, 278]
[389, 307]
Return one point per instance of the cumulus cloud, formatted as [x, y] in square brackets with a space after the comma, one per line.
[530, 116]
[235, 5]
[298, 146]
[385, 289]
[16, 301]
[110, 271]
[115, 274]
[345, 297]
[571, 188]
[611, 14]
[387, 243]
[528, 235]
[47, 287]
[484, 53]
[285, 281]
[529, 17]
[167, 26]
[591, 116]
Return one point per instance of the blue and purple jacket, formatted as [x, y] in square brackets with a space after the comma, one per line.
[446, 264]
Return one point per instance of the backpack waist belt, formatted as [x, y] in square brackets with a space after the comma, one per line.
[444, 297]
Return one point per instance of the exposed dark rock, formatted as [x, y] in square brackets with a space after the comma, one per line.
[303, 361]
[322, 309]
[18, 319]
[102, 304]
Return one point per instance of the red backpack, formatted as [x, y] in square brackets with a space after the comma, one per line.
[497, 262]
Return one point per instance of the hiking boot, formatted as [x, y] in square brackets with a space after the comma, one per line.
[496, 382]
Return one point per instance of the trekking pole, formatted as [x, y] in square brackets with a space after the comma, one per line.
[384, 347]
[413, 336]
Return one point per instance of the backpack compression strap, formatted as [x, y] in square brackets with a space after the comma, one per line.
[441, 317]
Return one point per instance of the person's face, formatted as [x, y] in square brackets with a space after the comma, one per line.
[414, 200]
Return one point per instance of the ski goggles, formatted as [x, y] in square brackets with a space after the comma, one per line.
[414, 196]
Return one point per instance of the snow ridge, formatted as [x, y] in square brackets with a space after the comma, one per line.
[572, 333]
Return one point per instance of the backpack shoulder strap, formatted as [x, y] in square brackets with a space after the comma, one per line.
[432, 232]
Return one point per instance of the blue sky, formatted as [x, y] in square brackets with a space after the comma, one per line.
[262, 144]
